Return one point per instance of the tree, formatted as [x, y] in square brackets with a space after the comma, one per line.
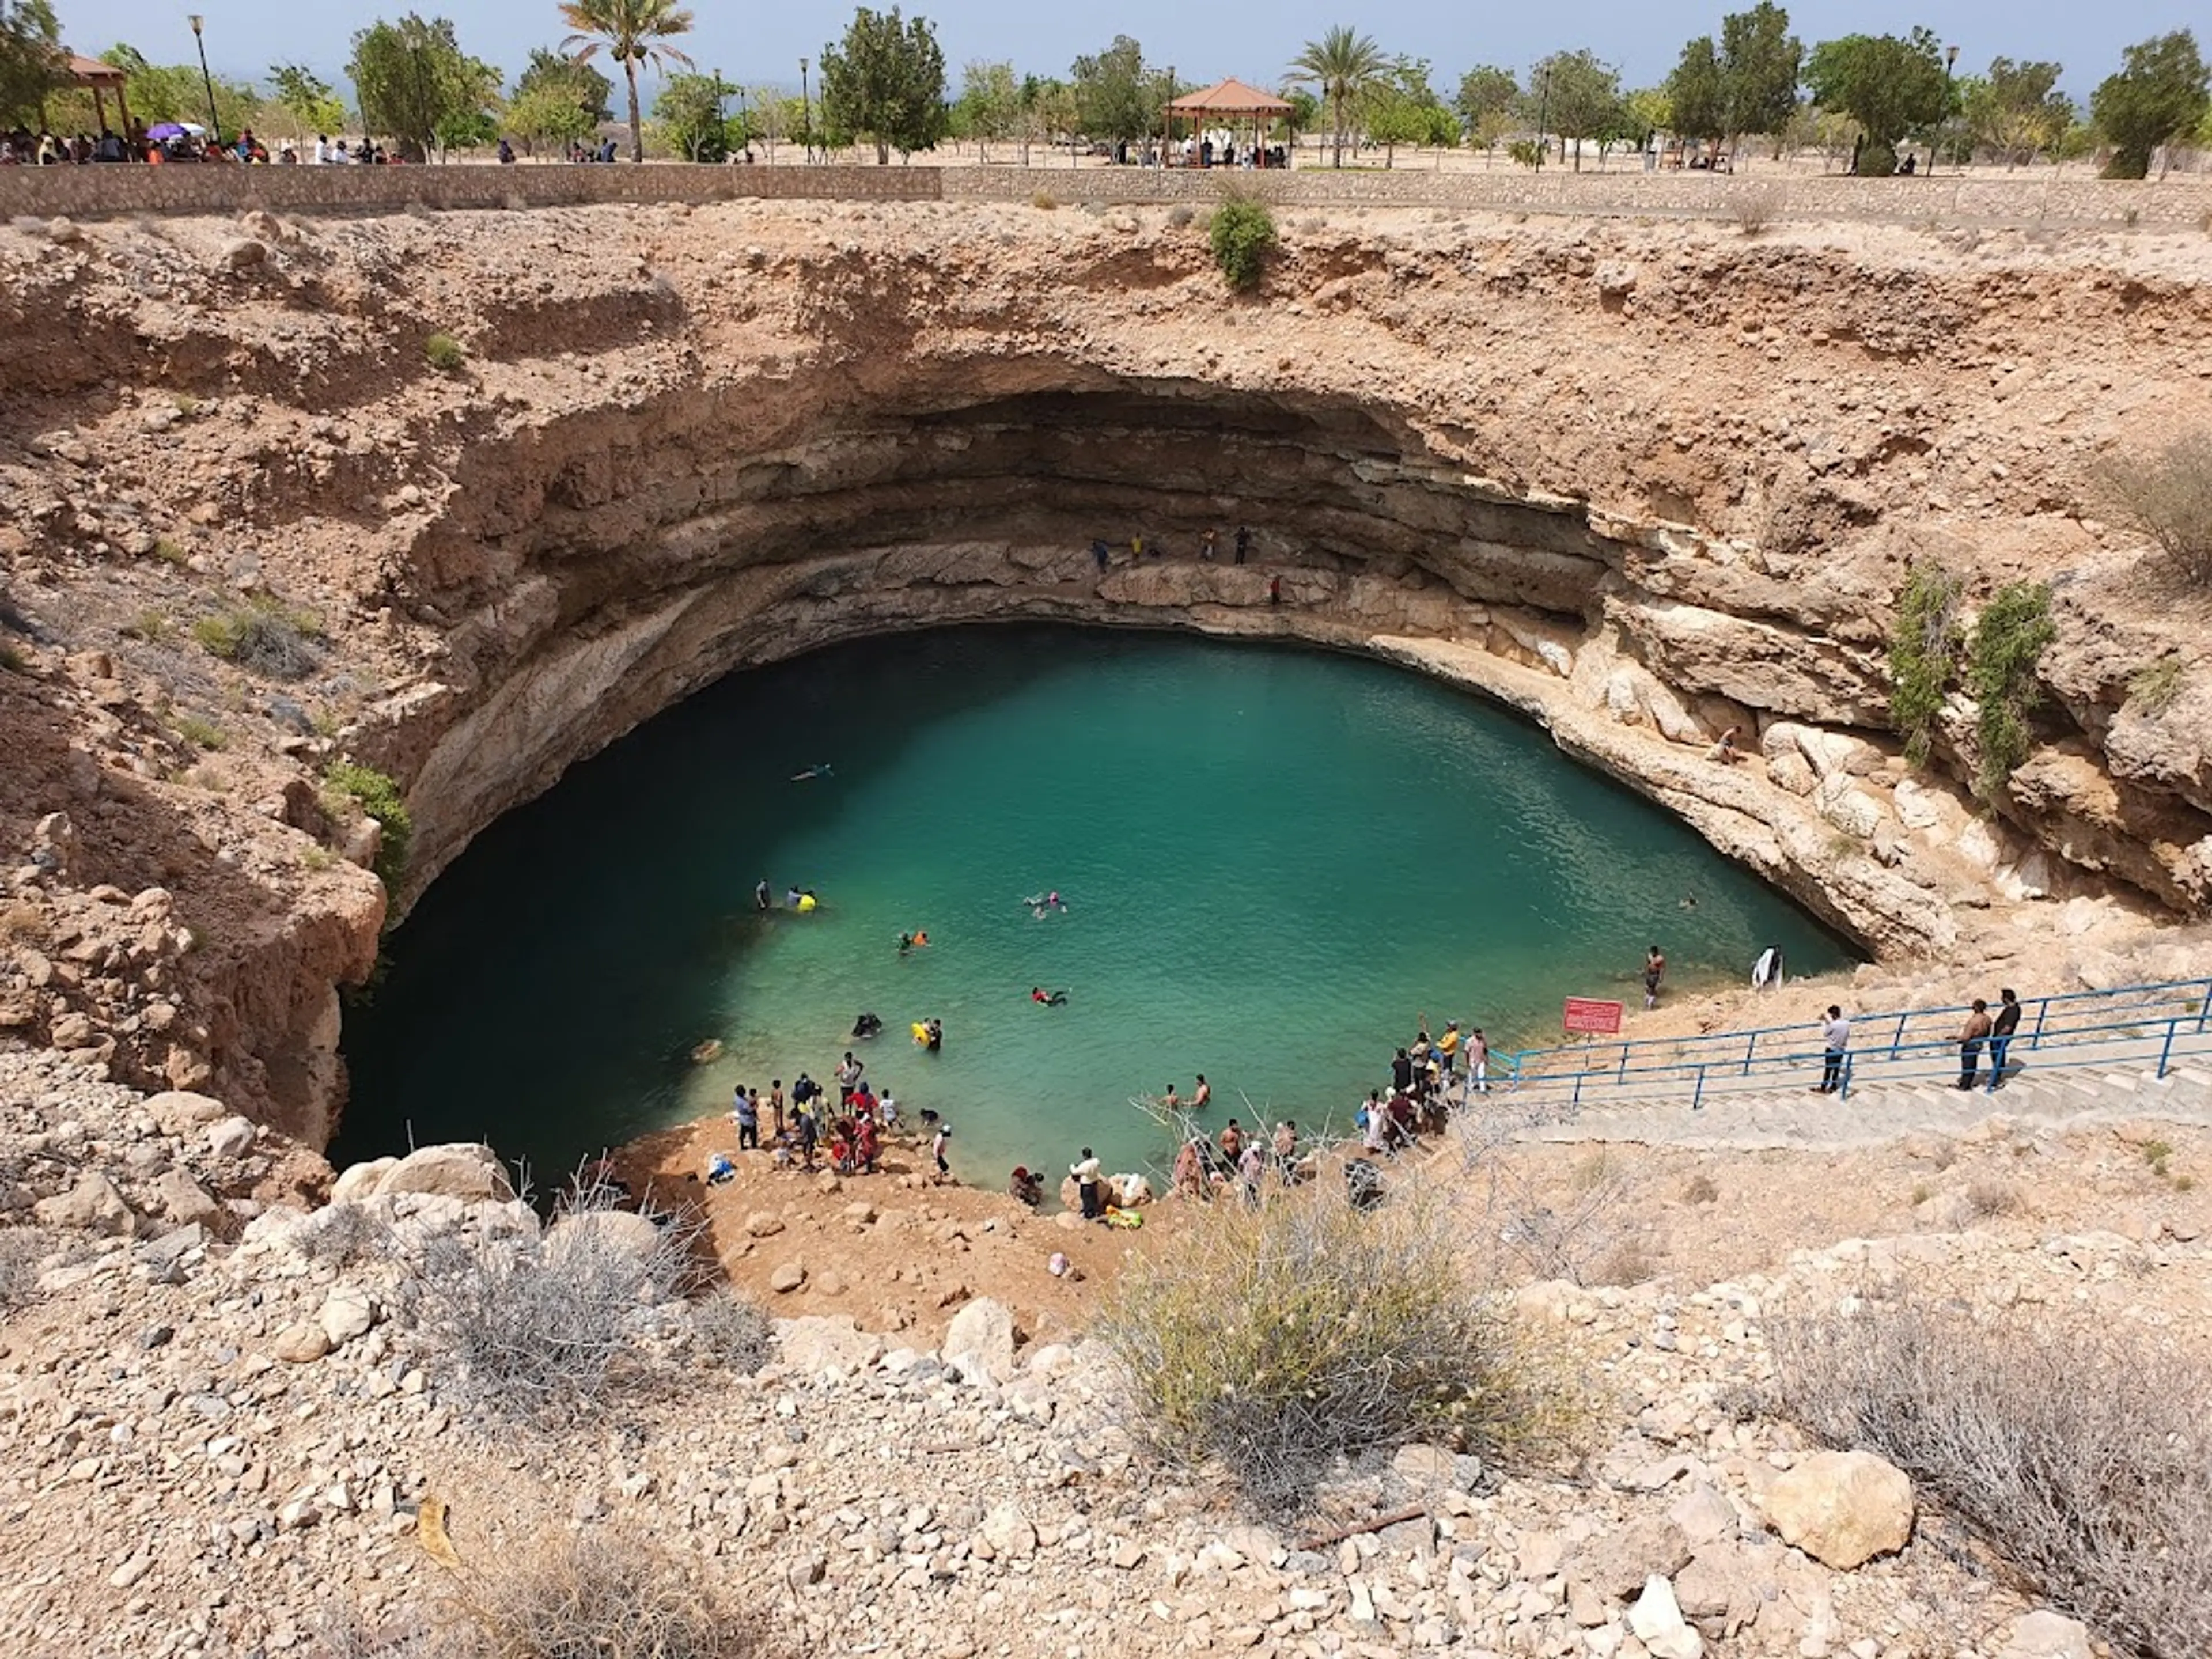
[2015, 109]
[176, 92]
[1488, 97]
[990, 103]
[1698, 91]
[887, 83]
[1343, 66]
[32, 62]
[552, 72]
[306, 97]
[411, 79]
[632, 32]
[691, 113]
[1049, 110]
[1576, 96]
[1760, 62]
[1403, 108]
[547, 115]
[1648, 109]
[1116, 96]
[2158, 96]
[1889, 86]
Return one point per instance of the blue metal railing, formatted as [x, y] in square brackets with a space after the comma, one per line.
[2129, 1025]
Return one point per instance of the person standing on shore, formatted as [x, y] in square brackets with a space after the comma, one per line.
[1836, 1034]
[761, 901]
[1085, 1171]
[1243, 543]
[1478, 1061]
[2001, 1030]
[745, 1110]
[1655, 970]
[937, 1147]
[1971, 1035]
[848, 1077]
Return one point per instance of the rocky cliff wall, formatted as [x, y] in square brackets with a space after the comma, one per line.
[1642, 485]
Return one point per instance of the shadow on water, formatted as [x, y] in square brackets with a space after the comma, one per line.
[1273, 857]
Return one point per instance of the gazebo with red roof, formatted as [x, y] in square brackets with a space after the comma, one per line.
[1234, 100]
[91, 73]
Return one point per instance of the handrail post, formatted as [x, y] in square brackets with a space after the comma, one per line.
[1897, 1037]
[1697, 1099]
[1751, 1044]
[2165, 1051]
[1578, 1101]
[1845, 1092]
[2204, 1006]
[2035, 1037]
[1620, 1078]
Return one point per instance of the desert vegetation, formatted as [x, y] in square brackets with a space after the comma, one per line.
[2009, 640]
[2166, 494]
[264, 636]
[1279, 1339]
[379, 796]
[1241, 234]
[2083, 1457]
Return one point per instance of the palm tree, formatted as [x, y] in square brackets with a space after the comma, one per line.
[633, 32]
[1341, 65]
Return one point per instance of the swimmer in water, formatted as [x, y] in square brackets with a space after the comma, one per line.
[791, 898]
[759, 895]
[1048, 999]
[820, 770]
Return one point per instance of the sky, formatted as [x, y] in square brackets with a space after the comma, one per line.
[762, 44]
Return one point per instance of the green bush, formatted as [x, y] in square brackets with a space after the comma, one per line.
[1923, 653]
[265, 636]
[378, 797]
[1281, 1338]
[1241, 234]
[2009, 641]
[205, 733]
[445, 353]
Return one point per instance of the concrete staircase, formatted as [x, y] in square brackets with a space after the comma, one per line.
[2093, 1081]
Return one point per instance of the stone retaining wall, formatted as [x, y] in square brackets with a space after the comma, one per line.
[2023, 198]
[95, 191]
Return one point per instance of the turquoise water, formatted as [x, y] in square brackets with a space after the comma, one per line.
[1273, 860]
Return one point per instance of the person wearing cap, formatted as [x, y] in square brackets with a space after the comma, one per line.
[1085, 1171]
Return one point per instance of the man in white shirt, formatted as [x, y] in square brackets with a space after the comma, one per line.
[1086, 1184]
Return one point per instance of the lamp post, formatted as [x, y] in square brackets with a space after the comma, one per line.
[805, 113]
[1950, 57]
[721, 121]
[215, 127]
[1543, 116]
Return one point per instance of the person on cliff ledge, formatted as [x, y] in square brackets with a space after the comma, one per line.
[1243, 543]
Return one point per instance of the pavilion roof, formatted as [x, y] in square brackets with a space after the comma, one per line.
[1229, 97]
[90, 71]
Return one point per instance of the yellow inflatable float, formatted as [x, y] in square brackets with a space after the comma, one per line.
[921, 1032]
[805, 902]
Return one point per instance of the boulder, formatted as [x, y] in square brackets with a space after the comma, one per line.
[980, 1338]
[1657, 1622]
[301, 1344]
[92, 1206]
[814, 1344]
[464, 1171]
[233, 1137]
[177, 1198]
[760, 1224]
[1619, 1564]
[178, 1111]
[2043, 1634]
[345, 1315]
[1009, 1533]
[787, 1277]
[621, 1229]
[359, 1181]
[1719, 1590]
[1842, 1509]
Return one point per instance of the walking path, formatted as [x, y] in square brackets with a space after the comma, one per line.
[2083, 1082]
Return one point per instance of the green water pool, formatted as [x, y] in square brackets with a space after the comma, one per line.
[1272, 862]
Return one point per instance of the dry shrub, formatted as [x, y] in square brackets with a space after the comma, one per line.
[1984, 1198]
[590, 1595]
[22, 921]
[2083, 1455]
[264, 636]
[1700, 1189]
[1754, 210]
[339, 1234]
[1279, 1339]
[1527, 1230]
[22, 1250]
[594, 1595]
[2167, 495]
[733, 1330]
[536, 1328]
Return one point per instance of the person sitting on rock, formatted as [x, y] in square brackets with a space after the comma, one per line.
[1024, 1186]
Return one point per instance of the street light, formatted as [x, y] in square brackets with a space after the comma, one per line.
[1950, 57]
[721, 121]
[805, 113]
[1543, 116]
[215, 127]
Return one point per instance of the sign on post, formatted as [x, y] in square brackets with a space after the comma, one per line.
[1592, 1017]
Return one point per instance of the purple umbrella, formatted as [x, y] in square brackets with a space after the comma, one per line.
[165, 130]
